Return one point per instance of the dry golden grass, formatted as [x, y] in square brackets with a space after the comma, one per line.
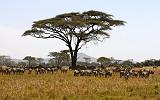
[67, 87]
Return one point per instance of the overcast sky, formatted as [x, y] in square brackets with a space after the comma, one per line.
[138, 39]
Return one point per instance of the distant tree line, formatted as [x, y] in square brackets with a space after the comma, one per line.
[6, 61]
[62, 58]
[109, 62]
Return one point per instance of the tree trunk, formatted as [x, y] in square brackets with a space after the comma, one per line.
[74, 61]
[73, 58]
[71, 54]
[74, 54]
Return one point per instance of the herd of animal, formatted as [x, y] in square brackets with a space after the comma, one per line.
[96, 72]
[37, 70]
[143, 73]
[123, 72]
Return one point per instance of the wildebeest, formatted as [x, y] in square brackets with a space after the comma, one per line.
[76, 72]
[64, 69]
[108, 73]
[124, 73]
[145, 73]
[93, 72]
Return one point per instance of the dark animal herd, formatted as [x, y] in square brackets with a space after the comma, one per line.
[123, 72]
[37, 70]
[96, 72]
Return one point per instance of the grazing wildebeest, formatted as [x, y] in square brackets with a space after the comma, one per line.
[101, 72]
[76, 72]
[52, 70]
[20, 70]
[49, 70]
[146, 73]
[64, 69]
[108, 73]
[95, 72]
[117, 69]
[30, 70]
[133, 73]
[4, 70]
[125, 73]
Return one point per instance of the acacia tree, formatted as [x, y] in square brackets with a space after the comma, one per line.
[23, 64]
[75, 29]
[127, 63]
[6, 61]
[57, 57]
[30, 60]
[65, 57]
[39, 60]
[60, 58]
[103, 61]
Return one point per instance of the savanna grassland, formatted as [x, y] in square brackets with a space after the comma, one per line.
[64, 86]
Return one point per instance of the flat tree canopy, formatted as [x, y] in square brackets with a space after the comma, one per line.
[75, 29]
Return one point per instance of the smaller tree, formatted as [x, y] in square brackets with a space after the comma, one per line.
[24, 64]
[40, 60]
[51, 62]
[127, 63]
[56, 57]
[30, 60]
[60, 58]
[6, 61]
[157, 62]
[138, 64]
[148, 62]
[65, 57]
[103, 61]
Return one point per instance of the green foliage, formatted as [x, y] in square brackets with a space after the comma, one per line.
[60, 58]
[23, 64]
[39, 60]
[104, 60]
[6, 61]
[31, 60]
[127, 63]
